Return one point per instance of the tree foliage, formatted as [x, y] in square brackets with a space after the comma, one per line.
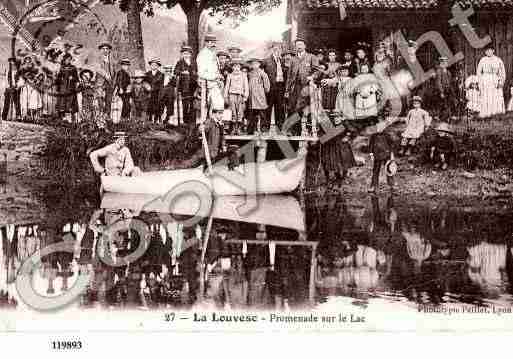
[234, 9]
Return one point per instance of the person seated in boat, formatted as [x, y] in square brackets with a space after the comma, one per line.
[118, 159]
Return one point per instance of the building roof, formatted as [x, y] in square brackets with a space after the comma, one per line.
[400, 4]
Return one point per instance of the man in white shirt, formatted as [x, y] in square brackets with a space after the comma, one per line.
[208, 70]
[118, 160]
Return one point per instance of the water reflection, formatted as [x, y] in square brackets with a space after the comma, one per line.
[290, 253]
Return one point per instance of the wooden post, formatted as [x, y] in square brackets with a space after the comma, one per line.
[313, 267]
[203, 254]
[202, 125]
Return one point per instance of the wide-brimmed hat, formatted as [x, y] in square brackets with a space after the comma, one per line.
[155, 61]
[391, 168]
[125, 62]
[139, 74]
[86, 71]
[210, 37]
[103, 45]
[186, 48]
[223, 53]
[235, 49]
[237, 61]
[120, 134]
[444, 127]
[417, 99]
[255, 59]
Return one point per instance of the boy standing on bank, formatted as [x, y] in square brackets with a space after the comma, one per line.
[381, 150]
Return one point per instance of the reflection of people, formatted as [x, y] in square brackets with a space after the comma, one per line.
[11, 94]
[118, 160]
[487, 263]
[492, 74]
[417, 247]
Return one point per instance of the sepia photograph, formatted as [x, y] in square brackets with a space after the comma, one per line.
[327, 166]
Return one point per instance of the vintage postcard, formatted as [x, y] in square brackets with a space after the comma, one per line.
[245, 166]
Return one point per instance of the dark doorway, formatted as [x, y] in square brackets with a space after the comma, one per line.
[348, 38]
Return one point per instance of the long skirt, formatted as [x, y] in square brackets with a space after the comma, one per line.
[329, 97]
[337, 155]
[492, 98]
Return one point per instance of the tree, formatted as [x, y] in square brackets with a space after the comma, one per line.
[193, 9]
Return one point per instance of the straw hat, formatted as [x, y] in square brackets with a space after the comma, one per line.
[105, 45]
[223, 53]
[391, 168]
[86, 71]
[210, 37]
[186, 48]
[139, 74]
[120, 134]
[155, 61]
[444, 127]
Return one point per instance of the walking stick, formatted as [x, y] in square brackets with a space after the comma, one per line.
[202, 126]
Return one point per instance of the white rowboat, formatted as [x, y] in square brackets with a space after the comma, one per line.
[270, 177]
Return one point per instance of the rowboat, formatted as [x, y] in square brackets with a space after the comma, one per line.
[270, 177]
[274, 210]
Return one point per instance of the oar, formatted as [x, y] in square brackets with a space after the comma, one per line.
[202, 126]
[203, 254]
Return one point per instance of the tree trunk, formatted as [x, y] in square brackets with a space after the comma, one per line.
[135, 37]
[193, 14]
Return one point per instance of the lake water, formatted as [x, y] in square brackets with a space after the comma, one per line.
[294, 252]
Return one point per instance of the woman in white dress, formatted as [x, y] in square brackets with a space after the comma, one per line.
[492, 74]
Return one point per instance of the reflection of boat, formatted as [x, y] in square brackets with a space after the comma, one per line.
[270, 177]
[274, 210]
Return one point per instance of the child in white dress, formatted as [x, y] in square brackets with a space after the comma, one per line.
[417, 121]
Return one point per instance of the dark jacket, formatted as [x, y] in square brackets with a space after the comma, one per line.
[156, 81]
[271, 68]
[168, 89]
[185, 82]
[381, 145]
[122, 80]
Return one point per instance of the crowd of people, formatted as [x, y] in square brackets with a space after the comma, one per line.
[262, 95]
